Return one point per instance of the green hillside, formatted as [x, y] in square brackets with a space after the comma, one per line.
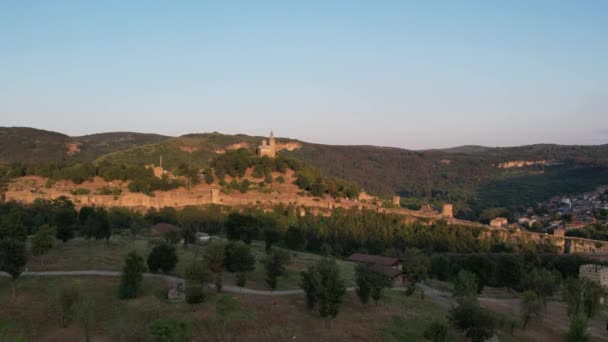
[30, 145]
[468, 176]
[23, 144]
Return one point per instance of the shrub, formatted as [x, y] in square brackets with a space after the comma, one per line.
[170, 330]
[162, 257]
[81, 191]
[436, 332]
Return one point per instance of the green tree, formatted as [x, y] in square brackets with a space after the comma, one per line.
[227, 311]
[531, 307]
[13, 259]
[163, 257]
[578, 330]
[67, 297]
[132, 276]
[170, 330]
[324, 287]
[43, 241]
[465, 284]
[214, 255]
[436, 332]
[582, 296]
[416, 267]
[543, 282]
[196, 275]
[476, 323]
[276, 266]
[240, 260]
[370, 282]
[85, 314]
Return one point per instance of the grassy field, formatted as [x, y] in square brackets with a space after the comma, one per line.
[80, 254]
[34, 315]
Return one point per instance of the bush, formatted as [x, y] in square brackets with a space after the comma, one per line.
[81, 191]
[436, 332]
[194, 293]
[162, 257]
[170, 330]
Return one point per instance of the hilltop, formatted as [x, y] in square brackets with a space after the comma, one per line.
[25, 144]
[471, 177]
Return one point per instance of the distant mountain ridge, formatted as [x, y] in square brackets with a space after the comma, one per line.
[468, 176]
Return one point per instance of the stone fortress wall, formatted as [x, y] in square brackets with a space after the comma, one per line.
[28, 189]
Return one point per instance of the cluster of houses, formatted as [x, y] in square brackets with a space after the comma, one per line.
[566, 212]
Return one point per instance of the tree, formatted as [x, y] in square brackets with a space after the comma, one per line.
[215, 254]
[582, 297]
[509, 270]
[271, 236]
[239, 260]
[67, 297]
[543, 282]
[243, 227]
[13, 259]
[370, 282]
[227, 311]
[132, 276]
[477, 323]
[196, 275]
[578, 330]
[276, 266]
[85, 313]
[465, 284]
[531, 307]
[163, 257]
[436, 332]
[324, 287]
[592, 294]
[43, 241]
[416, 266]
[170, 330]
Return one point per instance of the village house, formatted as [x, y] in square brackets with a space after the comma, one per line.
[392, 267]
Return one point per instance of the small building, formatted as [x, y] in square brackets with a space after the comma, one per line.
[499, 222]
[392, 267]
[162, 228]
[593, 272]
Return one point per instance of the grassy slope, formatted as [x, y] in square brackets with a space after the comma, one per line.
[80, 254]
[34, 314]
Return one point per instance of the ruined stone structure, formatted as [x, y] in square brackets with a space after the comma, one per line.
[447, 210]
[499, 222]
[597, 273]
[268, 150]
[396, 200]
[158, 170]
[215, 195]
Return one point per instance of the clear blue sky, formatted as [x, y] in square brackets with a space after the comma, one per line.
[398, 73]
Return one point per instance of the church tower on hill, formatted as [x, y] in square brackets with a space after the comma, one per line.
[270, 149]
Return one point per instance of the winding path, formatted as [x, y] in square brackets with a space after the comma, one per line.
[226, 288]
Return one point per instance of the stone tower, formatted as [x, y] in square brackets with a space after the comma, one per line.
[215, 195]
[447, 210]
[268, 150]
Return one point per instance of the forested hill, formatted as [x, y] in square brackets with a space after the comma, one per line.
[469, 176]
[24, 144]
